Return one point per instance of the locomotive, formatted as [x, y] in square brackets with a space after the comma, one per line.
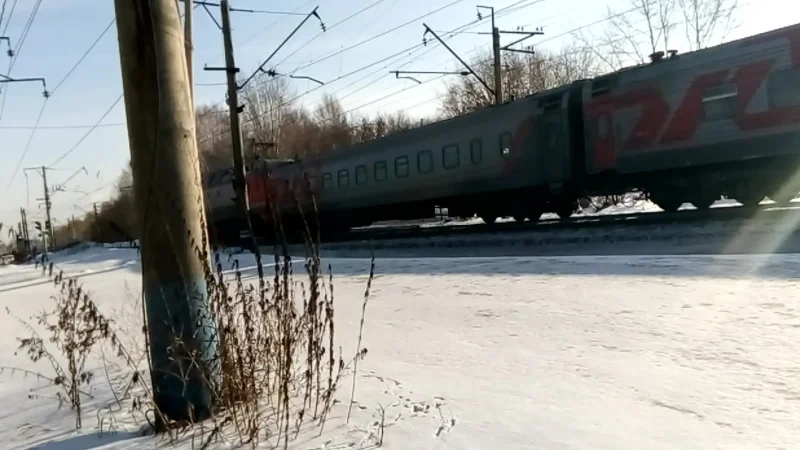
[686, 128]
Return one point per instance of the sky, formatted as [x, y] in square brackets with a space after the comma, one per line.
[63, 30]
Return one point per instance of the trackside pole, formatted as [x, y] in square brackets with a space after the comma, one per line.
[169, 205]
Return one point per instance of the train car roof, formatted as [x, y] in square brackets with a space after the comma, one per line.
[700, 53]
[418, 132]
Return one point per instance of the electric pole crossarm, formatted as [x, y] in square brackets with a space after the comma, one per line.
[7, 79]
[261, 67]
[397, 73]
[274, 74]
[529, 34]
[429, 30]
[8, 41]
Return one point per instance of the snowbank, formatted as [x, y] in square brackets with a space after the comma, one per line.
[601, 352]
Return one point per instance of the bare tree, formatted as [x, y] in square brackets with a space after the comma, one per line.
[648, 26]
[707, 21]
[522, 75]
[213, 137]
[267, 105]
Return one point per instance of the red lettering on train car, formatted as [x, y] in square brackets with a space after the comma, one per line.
[689, 114]
[653, 115]
[748, 78]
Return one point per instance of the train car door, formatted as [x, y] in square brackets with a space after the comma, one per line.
[552, 143]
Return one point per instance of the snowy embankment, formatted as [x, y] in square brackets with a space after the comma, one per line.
[631, 352]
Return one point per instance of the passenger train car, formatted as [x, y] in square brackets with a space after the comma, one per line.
[684, 128]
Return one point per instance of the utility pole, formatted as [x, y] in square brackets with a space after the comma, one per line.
[48, 228]
[25, 233]
[96, 213]
[239, 184]
[498, 68]
[166, 174]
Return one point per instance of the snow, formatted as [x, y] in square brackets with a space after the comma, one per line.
[601, 352]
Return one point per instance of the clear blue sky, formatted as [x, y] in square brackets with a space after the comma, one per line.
[64, 29]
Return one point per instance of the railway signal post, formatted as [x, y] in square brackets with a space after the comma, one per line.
[166, 182]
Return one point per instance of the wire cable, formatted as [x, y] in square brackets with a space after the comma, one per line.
[85, 54]
[86, 135]
[358, 44]
[351, 16]
[10, 15]
[3, 12]
[27, 146]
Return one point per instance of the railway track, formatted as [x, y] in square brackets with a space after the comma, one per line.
[639, 219]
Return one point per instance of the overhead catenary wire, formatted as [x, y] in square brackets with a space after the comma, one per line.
[20, 42]
[90, 131]
[368, 66]
[3, 12]
[10, 15]
[83, 57]
[269, 26]
[313, 38]
[27, 146]
[24, 35]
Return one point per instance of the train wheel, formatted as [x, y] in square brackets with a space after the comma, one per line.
[668, 203]
[750, 199]
[704, 200]
[519, 218]
[488, 218]
[564, 209]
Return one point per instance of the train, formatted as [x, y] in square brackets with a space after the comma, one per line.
[682, 128]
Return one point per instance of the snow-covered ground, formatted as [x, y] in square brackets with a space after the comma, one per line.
[583, 352]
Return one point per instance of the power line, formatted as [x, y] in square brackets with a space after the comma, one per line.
[24, 36]
[10, 15]
[3, 12]
[94, 127]
[85, 54]
[358, 44]
[268, 27]
[449, 35]
[351, 16]
[27, 146]
[60, 127]
[411, 48]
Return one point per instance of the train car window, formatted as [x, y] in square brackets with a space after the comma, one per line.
[425, 161]
[327, 181]
[719, 102]
[401, 166]
[505, 143]
[380, 171]
[784, 88]
[344, 178]
[476, 151]
[450, 156]
[361, 174]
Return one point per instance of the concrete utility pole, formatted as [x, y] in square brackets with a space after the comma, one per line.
[25, 232]
[166, 182]
[49, 225]
[239, 184]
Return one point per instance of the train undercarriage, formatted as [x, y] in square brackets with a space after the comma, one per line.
[747, 182]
